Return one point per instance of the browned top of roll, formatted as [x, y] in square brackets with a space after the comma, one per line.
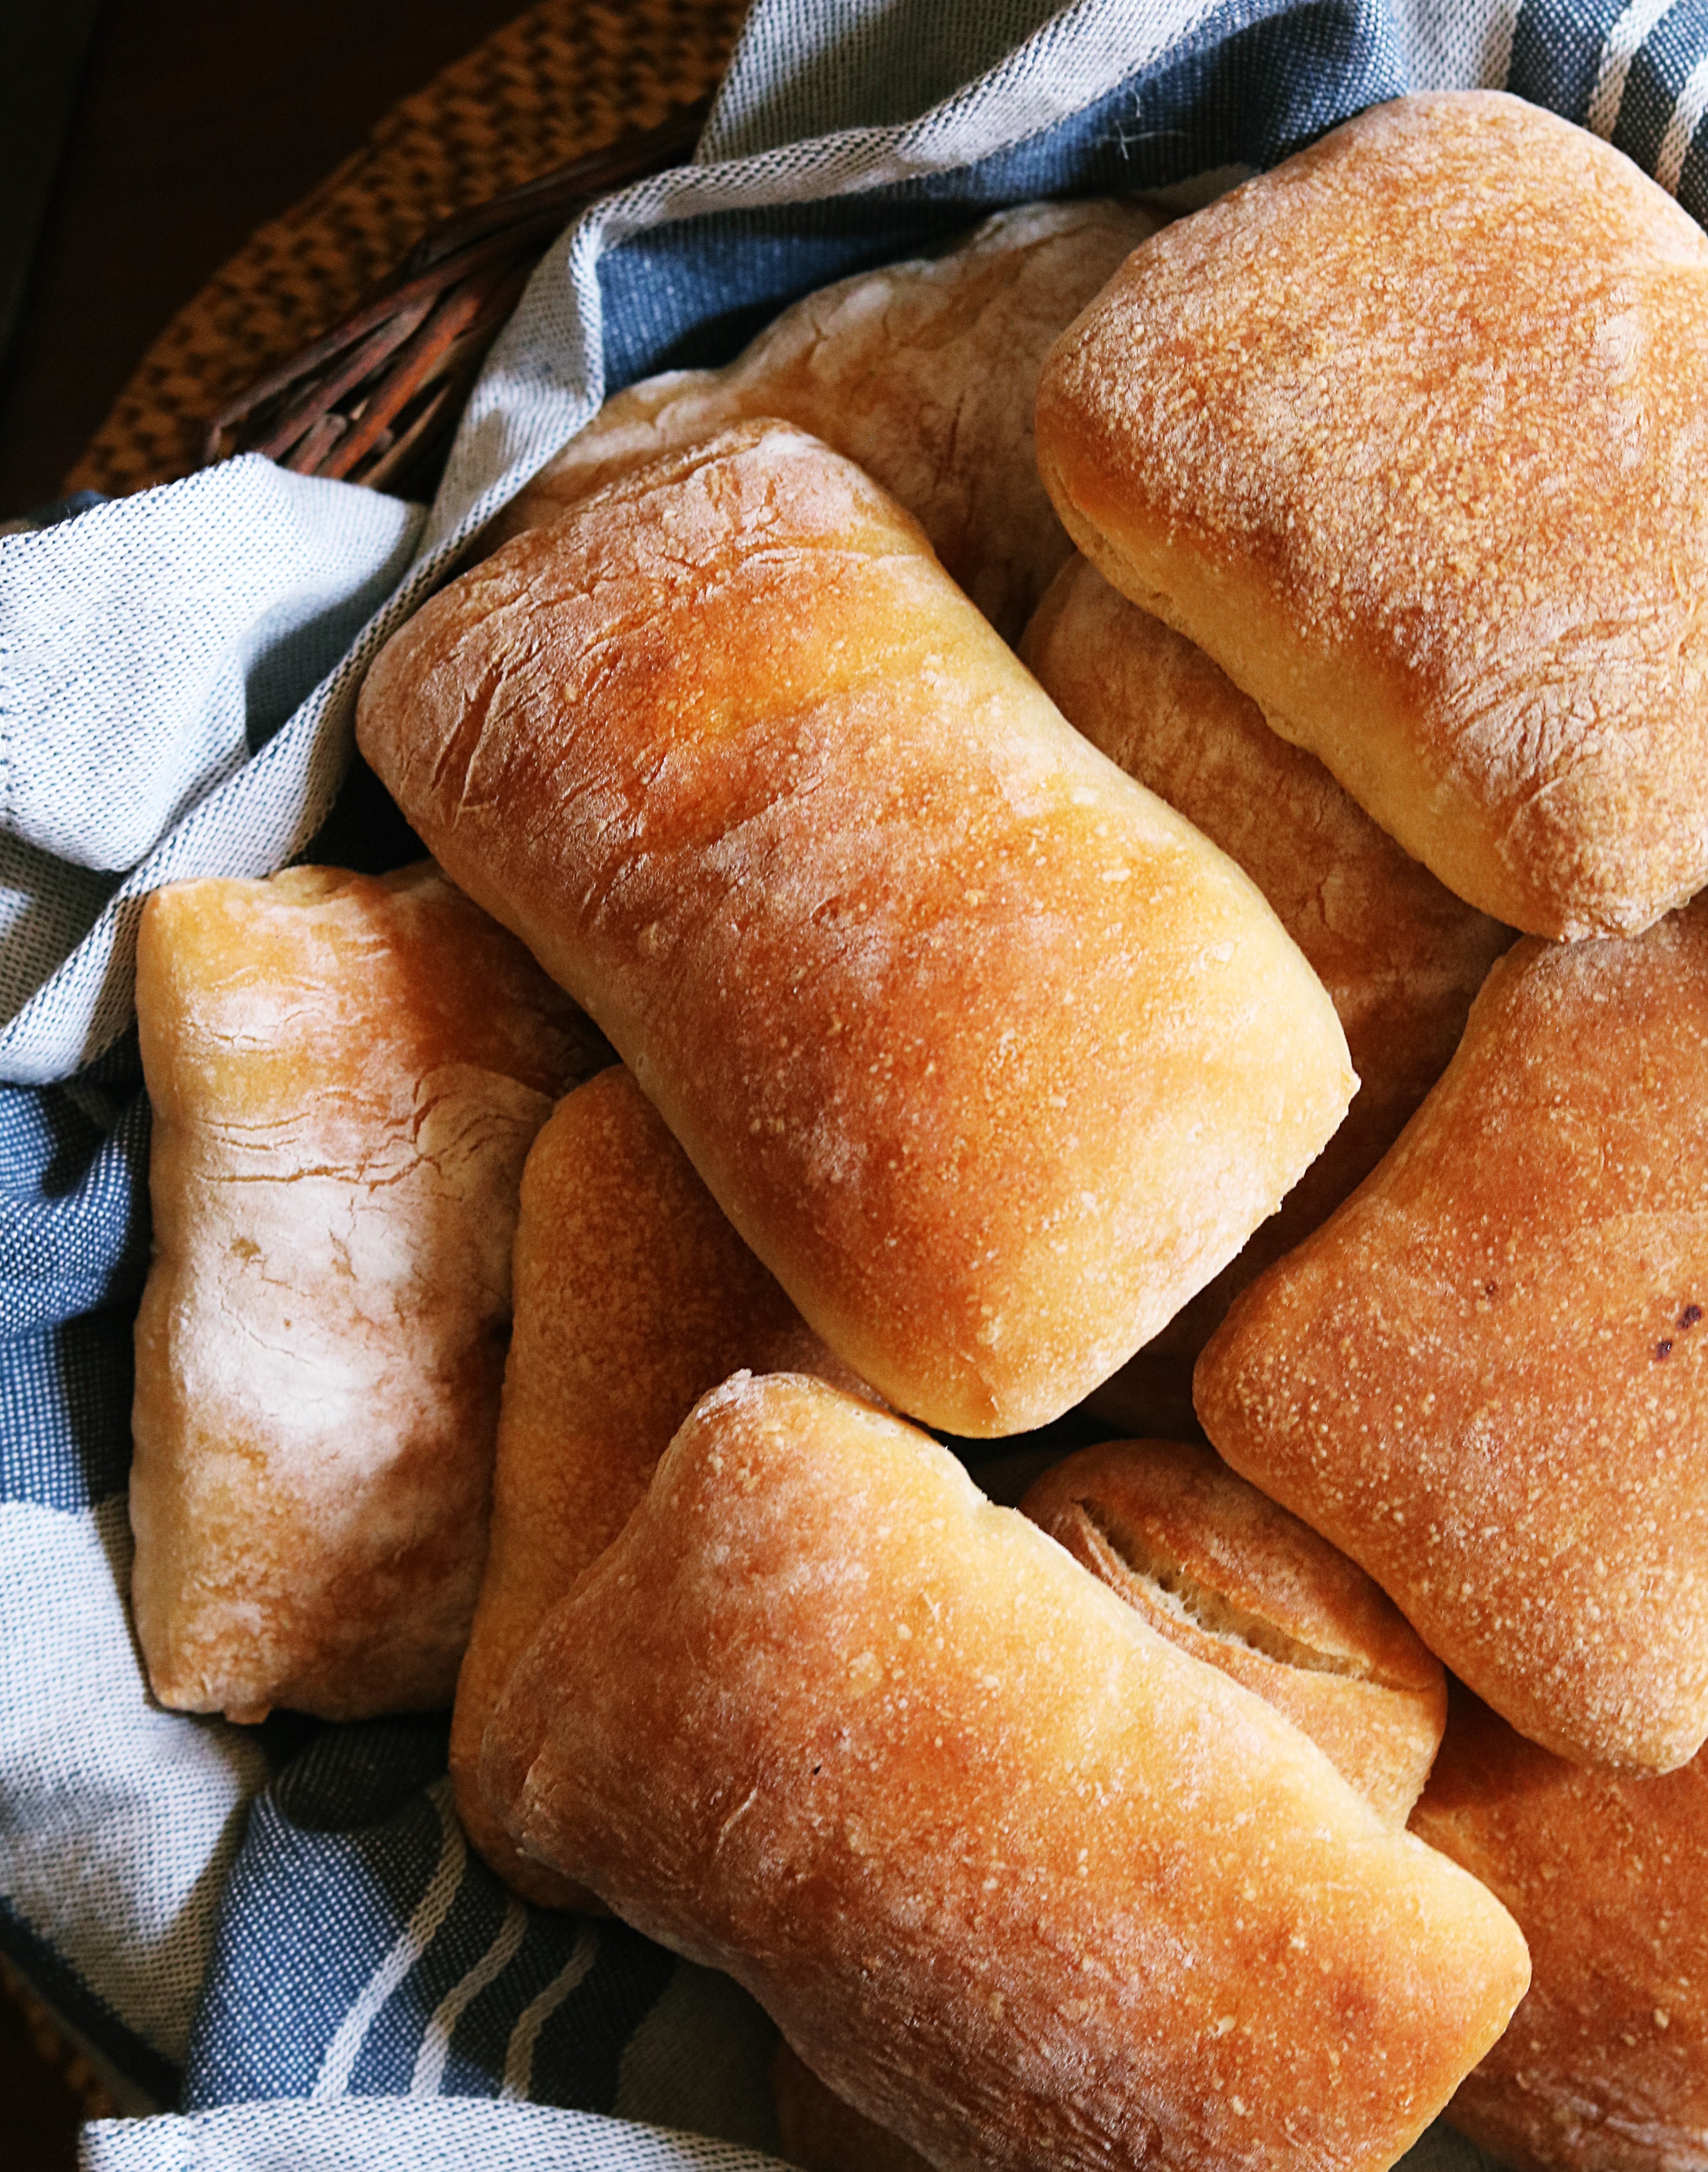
[924, 373]
[1407, 434]
[989, 1056]
[1486, 1377]
[1225, 1573]
[1604, 2066]
[1025, 1882]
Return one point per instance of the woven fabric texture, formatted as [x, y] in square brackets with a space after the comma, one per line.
[566, 77]
[279, 1931]
[392, 2134]
[150, 651]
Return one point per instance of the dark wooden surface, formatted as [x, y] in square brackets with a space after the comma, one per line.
[195, 124]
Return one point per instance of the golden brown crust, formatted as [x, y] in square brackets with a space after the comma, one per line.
[1406, 434]
[633, 1296]
[345, 1074]
[1604, 2068]
[1486, 1377]
[1024, 1883]
[988, 1055]
[924, 373]
[1400, 956]
[1223, 1573]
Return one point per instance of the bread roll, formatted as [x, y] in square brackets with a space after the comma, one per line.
[1239, 1584]
[1486, 1377]
[1400, 956]
[924, 373]
[345, 1074]
[1025, 1883]
[1605, 2066]
[1407, 434]
[989, 1056]
[633, 1297]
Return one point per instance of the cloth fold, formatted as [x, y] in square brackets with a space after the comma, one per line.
[150, 651]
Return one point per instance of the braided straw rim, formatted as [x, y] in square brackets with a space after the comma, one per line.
[566, 77]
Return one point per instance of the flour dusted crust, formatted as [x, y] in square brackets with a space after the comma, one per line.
[1021, 1881]
[345, 1074]
[924, 373]
[633, 1297]
[989, 1056]
[1604, 2066]
[1486, 1377]
[1409, 435]
[1236, 1581]
[1400, 956]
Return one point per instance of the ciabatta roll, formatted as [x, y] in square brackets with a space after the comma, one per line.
[989, 1056]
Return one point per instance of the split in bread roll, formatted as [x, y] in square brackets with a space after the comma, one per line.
[1223, 1572]
[633, 1296]
[1400, 956]
[989, 1056]
[1604, 2068]
[924, 373]
[1023, 1882]
[1486, 1377]
[1407, 434]
[345, 1074]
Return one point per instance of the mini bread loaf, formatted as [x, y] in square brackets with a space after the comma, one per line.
[989, 1056]
[1241, 1585]
[1604, 2068]
[924, 373]
[346, 1075]
[1486, 1377]
[1024, 1883]
[1400, 956]
[633, 1296]
[1407, 434]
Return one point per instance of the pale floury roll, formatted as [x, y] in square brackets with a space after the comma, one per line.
[1604, 2068]
[633, 1297]
[1023, 1882]
[1485, 1376]
[924, 374]
[346, 1075]
[990, 1056]
[1400, 956]
[1408, 434]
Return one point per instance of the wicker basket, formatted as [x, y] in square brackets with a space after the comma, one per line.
[560, 88]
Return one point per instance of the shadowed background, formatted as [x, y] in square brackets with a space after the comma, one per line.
[185, 125]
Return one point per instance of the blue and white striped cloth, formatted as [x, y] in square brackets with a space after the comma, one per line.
[278, 1932]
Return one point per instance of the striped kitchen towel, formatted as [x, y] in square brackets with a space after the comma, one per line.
[277, 1934]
